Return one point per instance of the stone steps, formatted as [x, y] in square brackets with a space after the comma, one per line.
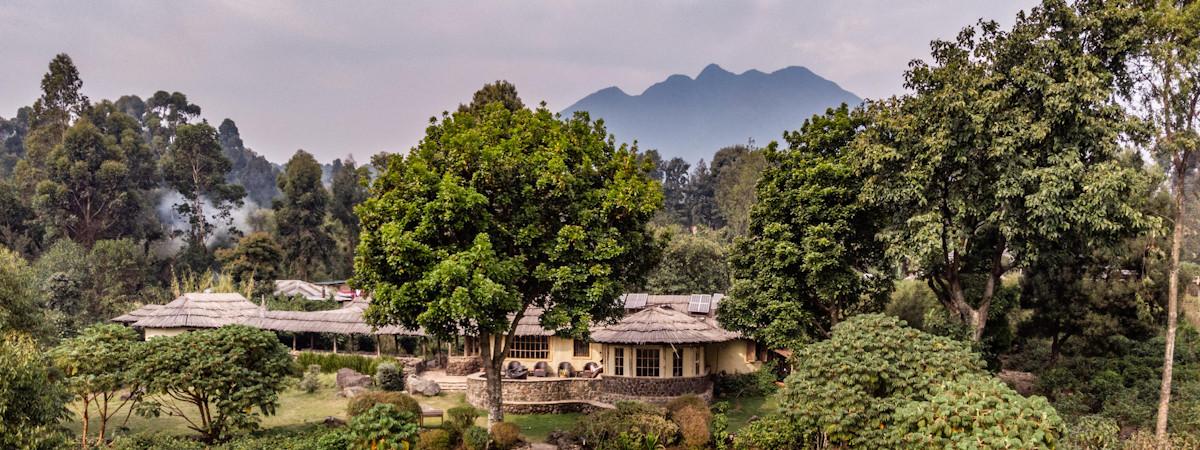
[456, 386]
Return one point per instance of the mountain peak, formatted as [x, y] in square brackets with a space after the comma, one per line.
[691, 118]
[712, 70]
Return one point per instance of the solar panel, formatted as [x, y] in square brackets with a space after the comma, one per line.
[635, 301]
[700, 303]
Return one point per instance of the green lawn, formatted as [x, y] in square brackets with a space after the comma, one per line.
[743, 409]
[298, 409]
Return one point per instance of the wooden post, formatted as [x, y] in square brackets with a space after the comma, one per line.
[377, 353]
[335, 344]
[293, 342]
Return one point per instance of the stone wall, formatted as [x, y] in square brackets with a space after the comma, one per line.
[463, 365]
[412, 365]
[654, 390]
[584, 394]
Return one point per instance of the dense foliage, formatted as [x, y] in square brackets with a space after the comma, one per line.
[97, 369]
[811, 257]
[875, 379]
[32, 397]
[225, 374]
[500, 211]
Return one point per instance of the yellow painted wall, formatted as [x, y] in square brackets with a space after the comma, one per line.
[563, 349]
[164, 332]
[730, 357]
[690, 356]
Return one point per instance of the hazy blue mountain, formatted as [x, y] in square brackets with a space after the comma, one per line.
[693, 118]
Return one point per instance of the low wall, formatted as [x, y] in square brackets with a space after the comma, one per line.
[463, 365]
[653, 390]
[584, 394]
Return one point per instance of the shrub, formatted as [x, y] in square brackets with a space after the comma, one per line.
[720, 426]
[435, 440]
[506, 435]
[978, 409]
[602, 429]
[32, 401]
[1094, 433]
[336, 440]
[383, 427]
[364, 401]
[475, 438]
[389, 377]
[845, 389]
[330, 362]
[771, 433]
[311, 381]
[693, 425]
[153, 441]
[683, 401]
[459, 418]
[226, 374]
[754, 384]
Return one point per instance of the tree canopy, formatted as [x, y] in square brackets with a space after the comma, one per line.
[811, 257]
[500, 211]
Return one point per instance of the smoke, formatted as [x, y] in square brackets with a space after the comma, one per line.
[176, 226]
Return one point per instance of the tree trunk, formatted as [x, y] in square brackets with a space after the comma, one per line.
[83, 440]
[492, 372]
[1164, 393]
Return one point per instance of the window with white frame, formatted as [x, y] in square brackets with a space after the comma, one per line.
[677, 363]
[618, 361]
[530, 347]
[646, 362]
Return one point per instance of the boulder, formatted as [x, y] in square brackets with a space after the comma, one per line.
[350, 378]
[351, 391]
[426, 387]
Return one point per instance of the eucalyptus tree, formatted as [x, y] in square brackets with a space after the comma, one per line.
[195, 167]
[500, 210]
[1008, 139]
[300, 214]
[1166, 70]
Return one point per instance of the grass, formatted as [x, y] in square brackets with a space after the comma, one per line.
[535, 427]
[299, 410]
[741, 410]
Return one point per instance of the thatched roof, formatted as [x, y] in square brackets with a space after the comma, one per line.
[345, 320]
[136, 315]
[199, 310]
[530, 324]
[661, 325]
[309, 291]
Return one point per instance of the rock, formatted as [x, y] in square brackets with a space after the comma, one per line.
[418, 385]
[351, 391]
[349, 378]
[333, 422]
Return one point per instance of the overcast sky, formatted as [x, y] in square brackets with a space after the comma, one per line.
[360, 77]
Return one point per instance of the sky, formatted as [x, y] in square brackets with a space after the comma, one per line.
[356, 78]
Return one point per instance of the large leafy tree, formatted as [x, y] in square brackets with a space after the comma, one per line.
[97, 367]
[1166, 69]
[347, 190]
[195, 167]
[21, 311]
[811, 257]
[736, 182]
[60, 104]
[256, 259]
[94, 181]
[163, 114]
[32, 400]
[224, 374]
[691, 263]
[499, 211]
[300, 214]
[1008, 140]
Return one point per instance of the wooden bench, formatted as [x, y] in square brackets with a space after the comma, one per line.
[430, 412]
